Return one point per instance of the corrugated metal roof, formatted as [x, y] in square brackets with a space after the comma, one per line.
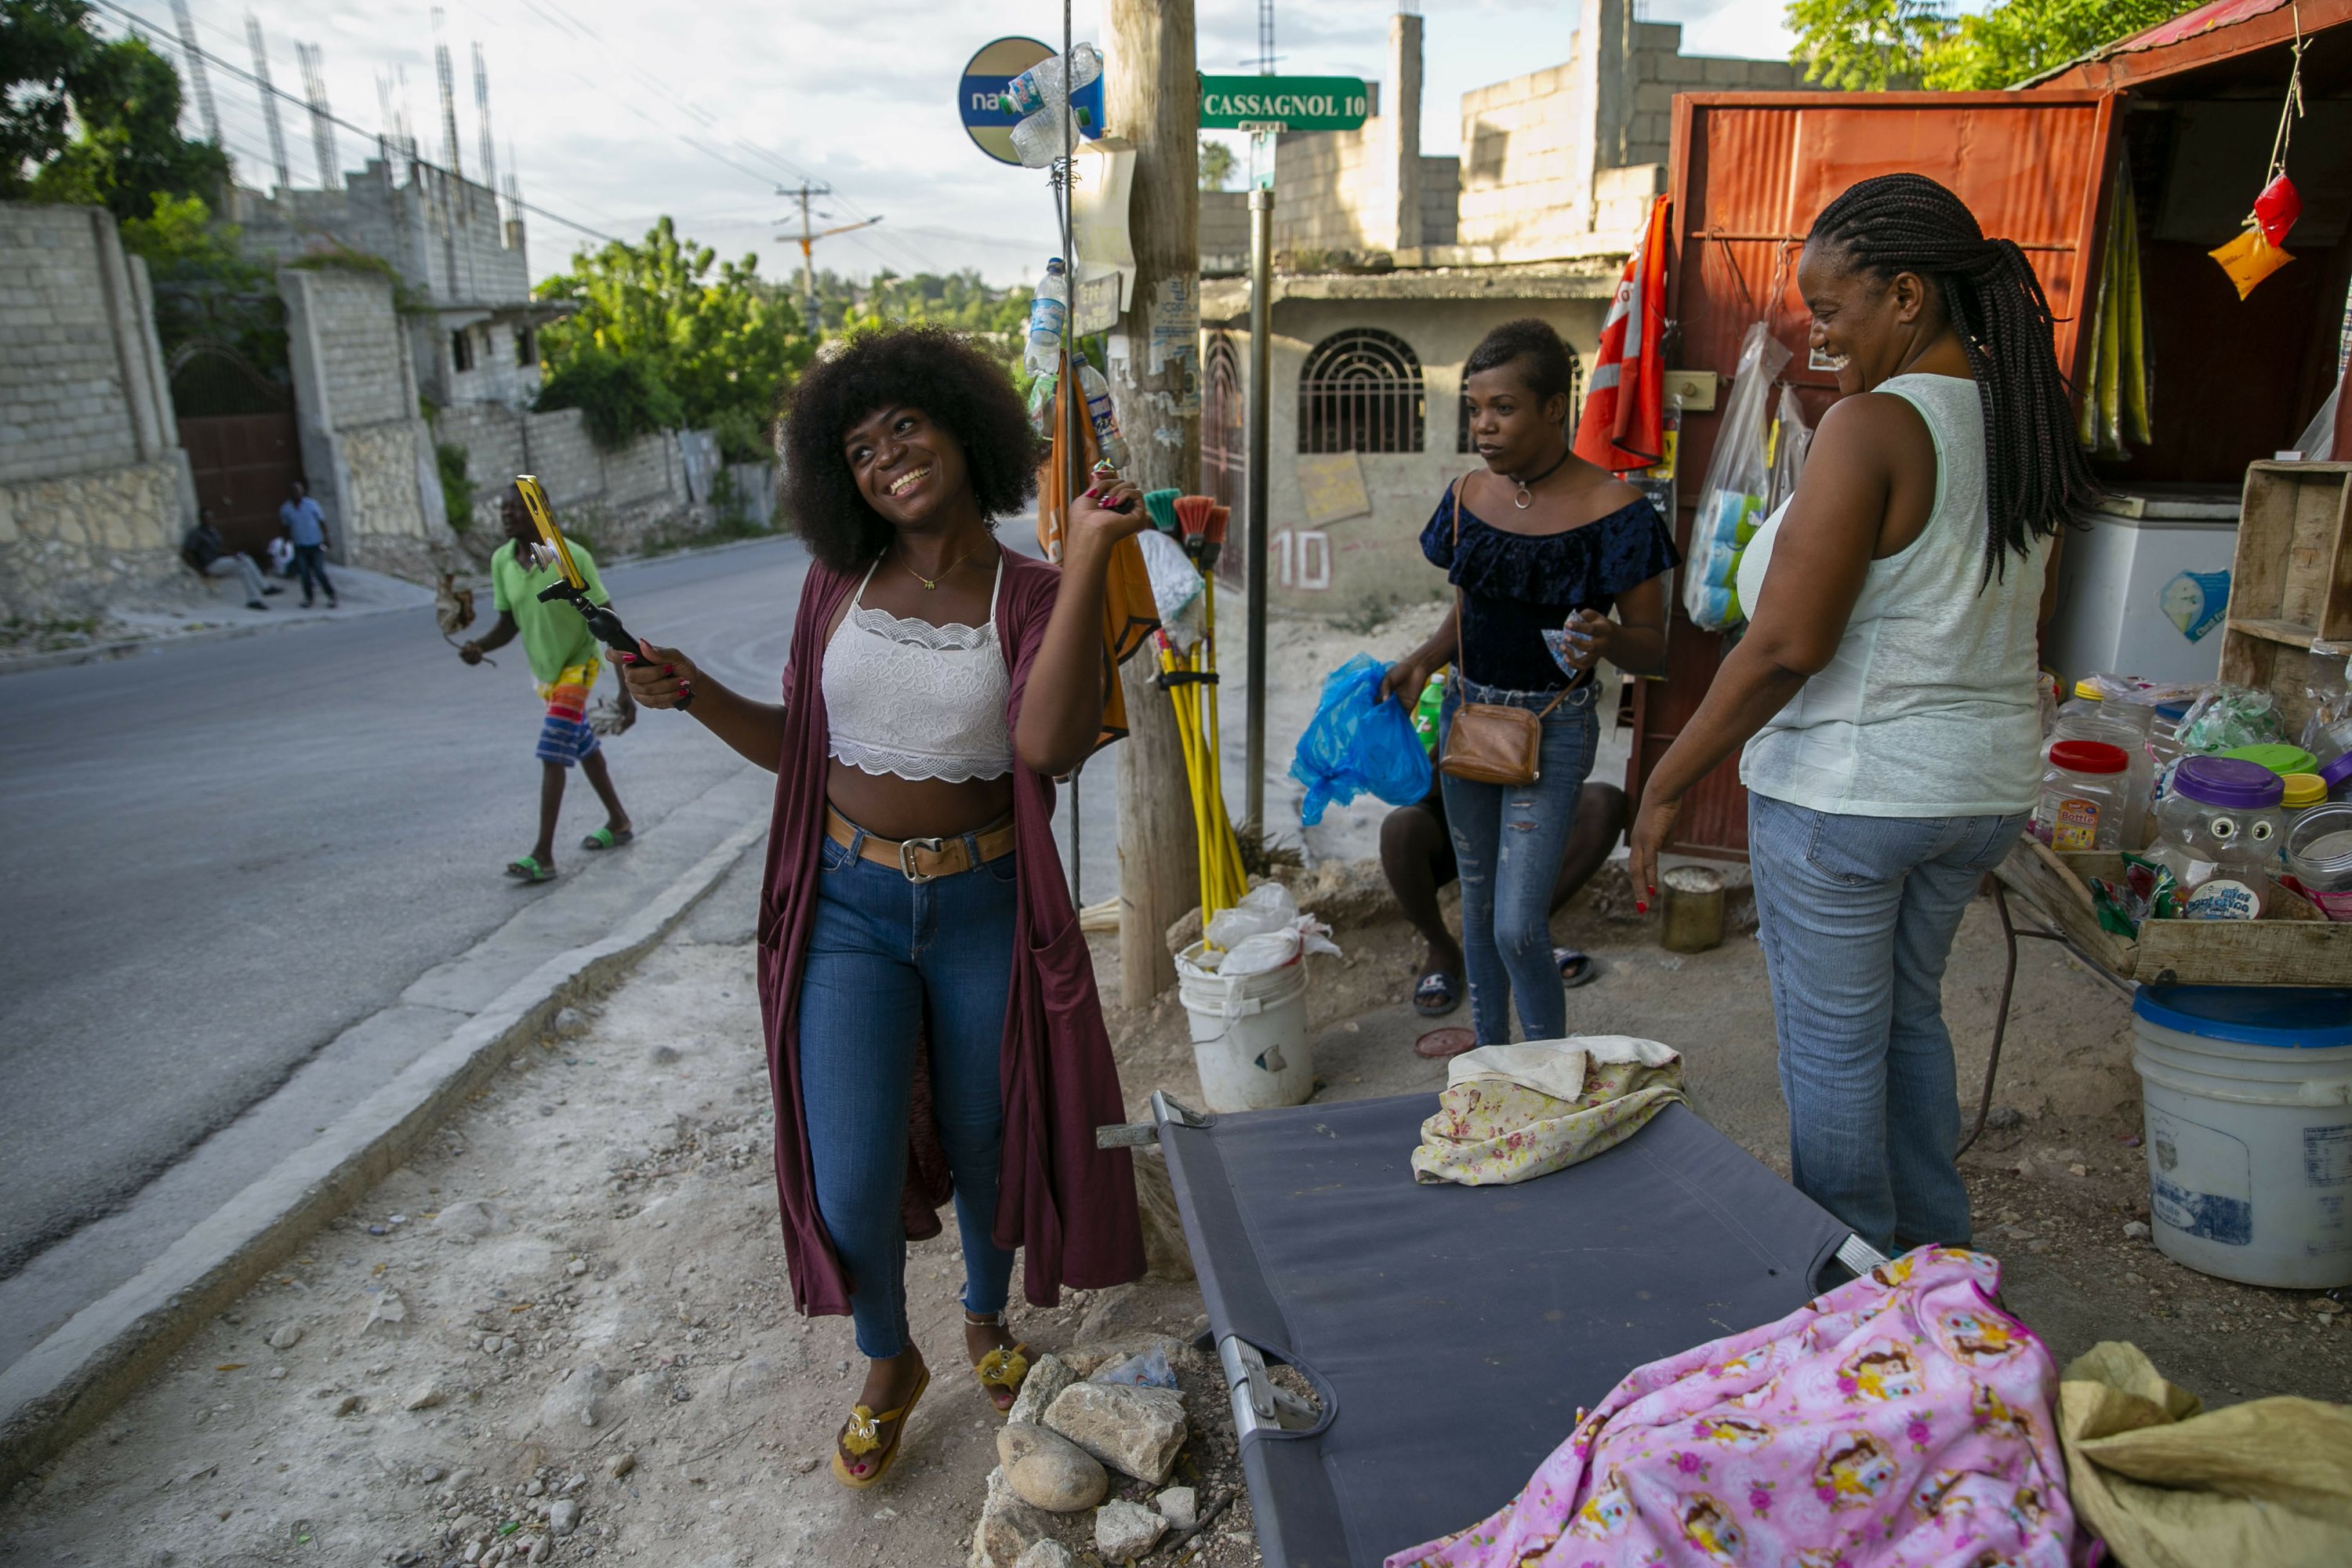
[2196, 38]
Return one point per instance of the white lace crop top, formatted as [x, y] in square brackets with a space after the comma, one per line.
[921, 701]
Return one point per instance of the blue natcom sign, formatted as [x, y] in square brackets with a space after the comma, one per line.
[980, 96]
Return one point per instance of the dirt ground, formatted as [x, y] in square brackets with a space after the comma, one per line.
[599, 1231]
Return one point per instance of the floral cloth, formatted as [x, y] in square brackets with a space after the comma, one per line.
[1900, 1419]
[1510, 1114]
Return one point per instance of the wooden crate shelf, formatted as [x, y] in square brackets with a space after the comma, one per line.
[2291, 580]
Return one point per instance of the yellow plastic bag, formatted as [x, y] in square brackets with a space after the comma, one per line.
[2250, 258]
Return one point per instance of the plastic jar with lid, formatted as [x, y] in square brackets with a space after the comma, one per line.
[2338, 777]
[2086, 795]
[2281, 759]
[2216, 831]
[2318, 856]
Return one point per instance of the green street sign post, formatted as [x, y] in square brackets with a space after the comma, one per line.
[1283, 102]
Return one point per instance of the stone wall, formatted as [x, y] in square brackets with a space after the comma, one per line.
[366, 451]
[619, 500]
[1357, 193]
[94, 489]
[1224, 232]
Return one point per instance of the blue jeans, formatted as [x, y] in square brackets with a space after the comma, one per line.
[893, 965]
[1507, 846]
[311, 565]
[1857, 916]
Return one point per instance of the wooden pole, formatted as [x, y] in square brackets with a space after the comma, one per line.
[1152, 99]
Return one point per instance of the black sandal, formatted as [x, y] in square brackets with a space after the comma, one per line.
[1434, 995]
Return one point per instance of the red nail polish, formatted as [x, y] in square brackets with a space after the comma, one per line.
[1640, 908]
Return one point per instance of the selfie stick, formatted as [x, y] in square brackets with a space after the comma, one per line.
[571, 588]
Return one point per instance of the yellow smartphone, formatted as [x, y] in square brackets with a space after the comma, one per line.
[542, 517]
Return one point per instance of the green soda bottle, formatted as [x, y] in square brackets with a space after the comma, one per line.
[1424, 712]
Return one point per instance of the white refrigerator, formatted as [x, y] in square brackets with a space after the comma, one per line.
[2144, 590]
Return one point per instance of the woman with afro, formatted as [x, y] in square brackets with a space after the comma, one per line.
[929, 1002]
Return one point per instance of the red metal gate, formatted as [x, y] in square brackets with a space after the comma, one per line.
[1750, 172]
[243, 464]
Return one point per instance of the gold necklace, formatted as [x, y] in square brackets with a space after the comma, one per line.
[933, 583]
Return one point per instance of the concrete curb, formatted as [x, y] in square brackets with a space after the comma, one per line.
[129, 648]
[69, 1382]
[126, 647]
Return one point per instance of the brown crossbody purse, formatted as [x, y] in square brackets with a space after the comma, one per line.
[1490, 743]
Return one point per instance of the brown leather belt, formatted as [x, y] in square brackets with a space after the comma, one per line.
[922, 860]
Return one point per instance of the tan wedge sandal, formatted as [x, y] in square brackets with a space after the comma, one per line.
[1002, 1369]
[863, 1435]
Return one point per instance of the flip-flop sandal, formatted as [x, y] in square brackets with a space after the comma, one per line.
[1575, 968]
[1002, 1370]
[1433, 995]
[605, 838]
[1439, 1044]
[527, 868]
[863, 1435]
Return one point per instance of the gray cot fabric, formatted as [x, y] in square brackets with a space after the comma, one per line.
[1454, 1331]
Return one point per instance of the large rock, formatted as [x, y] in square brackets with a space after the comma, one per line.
[1047, 1554]
[1047, 1470]
[1048, 1375]
[1126, 1531]
[1135, 1431]
[1008, 1527]
[1180, 1506]
[1120, 1312]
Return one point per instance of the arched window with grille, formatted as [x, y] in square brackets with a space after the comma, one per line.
[1360, 393]
[1575, 404]
[1224, 445]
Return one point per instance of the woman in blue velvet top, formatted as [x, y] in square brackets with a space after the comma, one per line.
[1537, 541]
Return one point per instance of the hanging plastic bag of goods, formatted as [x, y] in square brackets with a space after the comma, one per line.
[1731, 503]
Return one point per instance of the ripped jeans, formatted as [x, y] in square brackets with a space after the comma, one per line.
[1507, 845]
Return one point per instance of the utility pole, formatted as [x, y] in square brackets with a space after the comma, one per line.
[1261, 382]
[805, 195]
[1152, 98]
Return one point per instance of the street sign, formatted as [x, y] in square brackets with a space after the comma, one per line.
[1283, 102]
[980, 96]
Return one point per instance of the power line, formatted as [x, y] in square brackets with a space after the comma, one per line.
[220, 64]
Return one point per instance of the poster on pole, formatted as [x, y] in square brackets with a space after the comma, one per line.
[1102, 183]
[989, 120]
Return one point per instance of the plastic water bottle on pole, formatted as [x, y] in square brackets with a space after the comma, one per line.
[1042, 97]
[1049, 316]
[1099, 410]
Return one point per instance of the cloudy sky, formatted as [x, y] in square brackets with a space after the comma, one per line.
[614, 111]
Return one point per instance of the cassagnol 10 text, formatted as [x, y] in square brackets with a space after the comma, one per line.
[1284, 103]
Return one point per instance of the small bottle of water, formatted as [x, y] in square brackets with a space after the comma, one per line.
[1049, 314]
[1104, 417]
[1040, 87]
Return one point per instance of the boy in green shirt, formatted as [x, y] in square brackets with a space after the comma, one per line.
[565, 660]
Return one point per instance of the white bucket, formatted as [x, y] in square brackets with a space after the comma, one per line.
[1249, 1034]
[2248, 1107]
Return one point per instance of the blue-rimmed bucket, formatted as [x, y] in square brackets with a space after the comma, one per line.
[2248, 1106]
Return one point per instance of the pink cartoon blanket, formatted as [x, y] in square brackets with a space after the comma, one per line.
[1900, 1419]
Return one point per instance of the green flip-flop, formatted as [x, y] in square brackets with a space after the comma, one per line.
[527, 868]
[605, 838]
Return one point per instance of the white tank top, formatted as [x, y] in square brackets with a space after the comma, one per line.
[1928, 708]
[921, 701]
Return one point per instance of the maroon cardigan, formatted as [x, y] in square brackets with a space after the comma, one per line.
[1069, 1205]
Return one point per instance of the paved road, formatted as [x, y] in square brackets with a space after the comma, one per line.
[220, 856]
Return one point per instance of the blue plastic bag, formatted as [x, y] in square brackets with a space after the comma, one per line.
[1358, 742]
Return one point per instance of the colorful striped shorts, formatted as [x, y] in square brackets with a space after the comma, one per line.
[564, 737]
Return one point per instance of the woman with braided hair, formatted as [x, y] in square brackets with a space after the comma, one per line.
[1882, 697]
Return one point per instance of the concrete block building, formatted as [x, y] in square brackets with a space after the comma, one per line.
[1390, 266]
[94, 488]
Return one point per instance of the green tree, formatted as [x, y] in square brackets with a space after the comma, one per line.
[87, 120]
[1216, 164]
[2022, 39]
[666, 333]
[1866, 45]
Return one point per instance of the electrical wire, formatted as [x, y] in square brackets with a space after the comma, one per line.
[217, 63]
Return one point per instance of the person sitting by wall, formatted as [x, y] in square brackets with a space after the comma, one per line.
[208, 556]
